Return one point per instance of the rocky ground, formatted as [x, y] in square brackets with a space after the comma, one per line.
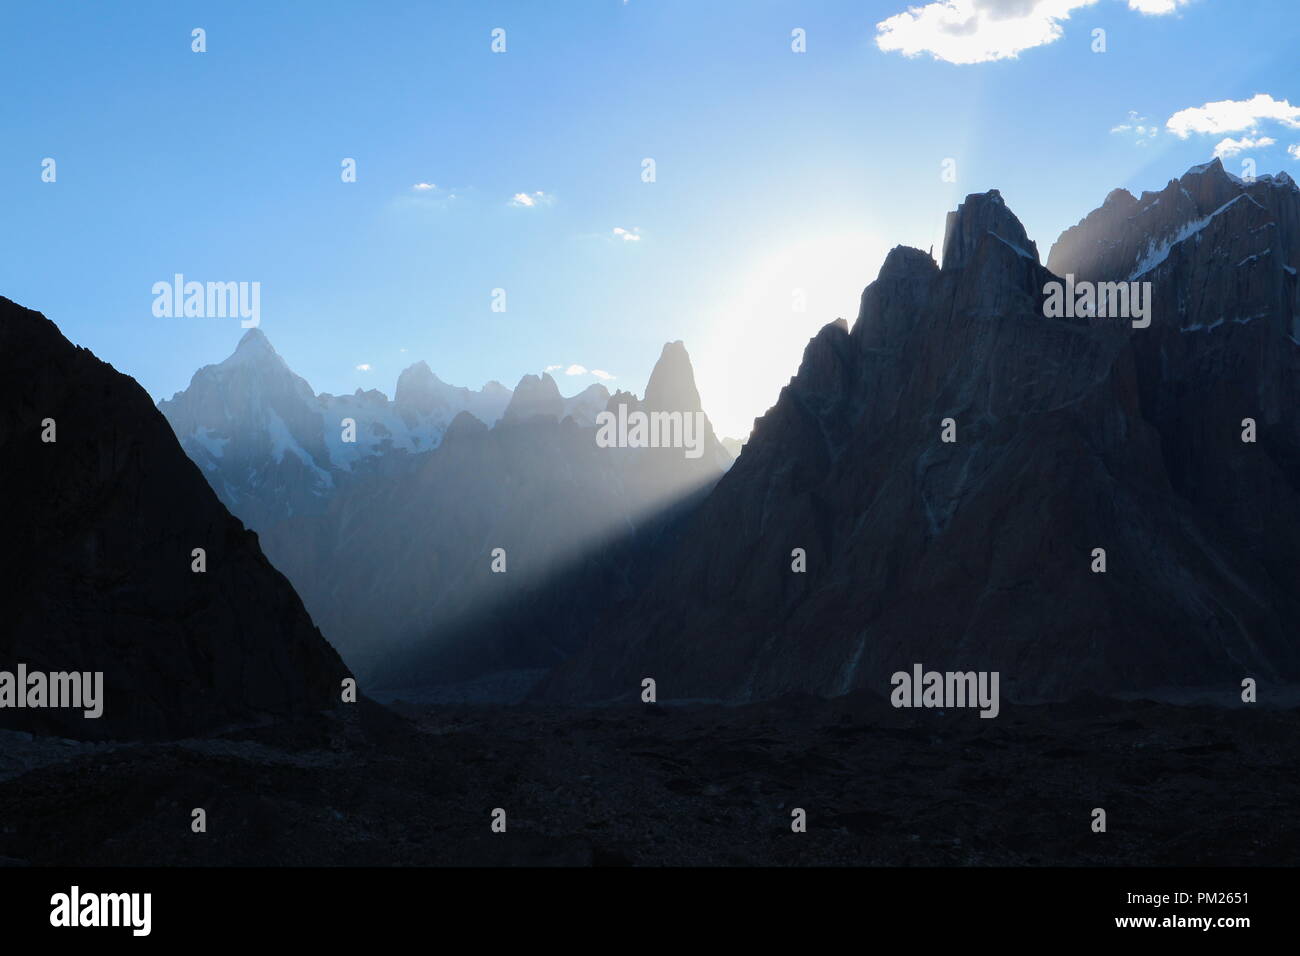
[694, 785]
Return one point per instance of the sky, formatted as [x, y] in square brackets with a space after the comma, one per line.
[793, 144]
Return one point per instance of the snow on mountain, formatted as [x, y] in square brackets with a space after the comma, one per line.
[271, 447]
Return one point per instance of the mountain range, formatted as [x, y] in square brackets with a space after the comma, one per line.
[390, 539]
[1069, 435]
[271, 447]
[963, 478]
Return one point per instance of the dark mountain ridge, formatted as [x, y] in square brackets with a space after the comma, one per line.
[1070, 435]
[97, 560]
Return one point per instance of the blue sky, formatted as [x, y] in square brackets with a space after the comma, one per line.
[775, 170]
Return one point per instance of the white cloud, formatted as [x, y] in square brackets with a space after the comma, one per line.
[427, 196]
[1232, 116]
[1294, 150]
[975, 31]
[981, 31]
[1156, 8]
[364, 367]
[531, 200]
[576, 369]
[1231, 147]
[628, 235]
[1140, 128]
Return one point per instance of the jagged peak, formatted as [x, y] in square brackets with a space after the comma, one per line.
[1280, 180]
[254, 350]
[594, 389]
[419, 373]
[537, 383]
[982, 214]
[254, 338]
[418, 387]
[535, 395]
[253, 344]
[1214, 166]
[1121, 196]
[464, 424]
[1210, 182]
[672, 381]
[906, 261]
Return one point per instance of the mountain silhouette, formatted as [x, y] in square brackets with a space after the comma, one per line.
[98, 559]
[1070, 434]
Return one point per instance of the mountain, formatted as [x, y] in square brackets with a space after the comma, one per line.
[1127, 238]
[384, 543]
[587, 404]
[1070, 434]
[427, 405]
[272, 448]
[98, 549]
[398, 568]
[534, 398]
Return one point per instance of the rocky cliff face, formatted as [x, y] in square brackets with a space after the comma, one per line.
[1221, 257]
[97, 560]
[1070, 435]
[1127, 237]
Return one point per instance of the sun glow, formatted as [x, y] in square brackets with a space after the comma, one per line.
[763, 319]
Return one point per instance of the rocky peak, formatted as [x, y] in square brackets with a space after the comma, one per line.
[891, 303]
[982, 214]
[420, 392]
[534, 397]
[418, 389]
[1127, 237]
[672, 382]
[254, 342]
[463, 425]
[587, 404]
[1210, 185]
